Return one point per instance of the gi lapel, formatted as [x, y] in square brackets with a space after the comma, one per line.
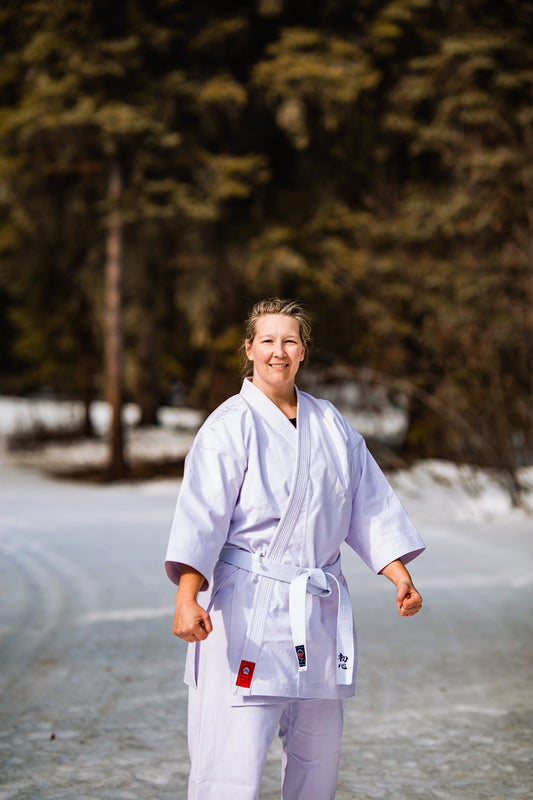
[260, 404]
[256, 626]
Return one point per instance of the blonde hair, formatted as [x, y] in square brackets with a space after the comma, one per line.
[275, 305]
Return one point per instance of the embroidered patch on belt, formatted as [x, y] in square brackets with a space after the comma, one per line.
[246, 671]
[300, 652]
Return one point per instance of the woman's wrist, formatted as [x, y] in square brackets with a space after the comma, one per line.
[190, 584]
[397, 573]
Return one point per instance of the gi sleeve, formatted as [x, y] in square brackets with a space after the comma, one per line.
[380, 529]
[210, 488]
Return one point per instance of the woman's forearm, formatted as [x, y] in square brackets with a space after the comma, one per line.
[191, 582]
[396, 571]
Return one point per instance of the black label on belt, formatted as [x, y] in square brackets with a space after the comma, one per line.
[300, 652]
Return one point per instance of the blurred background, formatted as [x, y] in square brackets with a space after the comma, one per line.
[165, 164]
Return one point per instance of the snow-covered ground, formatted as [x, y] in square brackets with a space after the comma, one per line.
[93, 704]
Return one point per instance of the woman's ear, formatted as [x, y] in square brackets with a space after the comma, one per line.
[247, 349]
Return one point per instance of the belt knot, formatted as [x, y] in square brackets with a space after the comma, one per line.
[317, 582]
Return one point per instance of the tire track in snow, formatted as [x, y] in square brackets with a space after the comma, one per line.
[45, 592]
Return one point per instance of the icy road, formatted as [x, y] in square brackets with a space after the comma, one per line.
[93, 706]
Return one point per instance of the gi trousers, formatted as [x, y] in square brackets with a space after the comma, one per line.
[229, 745]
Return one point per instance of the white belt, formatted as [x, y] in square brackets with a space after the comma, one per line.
[315, 581]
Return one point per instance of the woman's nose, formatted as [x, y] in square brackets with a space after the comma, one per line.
[279, 348]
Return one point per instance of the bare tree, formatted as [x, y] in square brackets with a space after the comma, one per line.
[113, 321]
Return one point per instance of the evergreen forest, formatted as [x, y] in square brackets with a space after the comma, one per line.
[166, 163]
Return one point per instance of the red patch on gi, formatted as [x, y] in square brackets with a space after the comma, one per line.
[246, 671]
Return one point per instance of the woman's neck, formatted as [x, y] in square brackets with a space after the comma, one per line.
[286, 399]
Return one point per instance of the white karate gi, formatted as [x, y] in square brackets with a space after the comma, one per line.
[255, 482]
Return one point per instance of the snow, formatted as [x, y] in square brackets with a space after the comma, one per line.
[23, 414]
[93, 704]
[466, 492]
[170, 440]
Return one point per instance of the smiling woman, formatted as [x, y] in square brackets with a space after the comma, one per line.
[263, 510]
[276, 352]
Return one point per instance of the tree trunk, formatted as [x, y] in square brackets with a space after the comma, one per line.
[147, 393]
[87, 427]
[113, 323]
[429, 434]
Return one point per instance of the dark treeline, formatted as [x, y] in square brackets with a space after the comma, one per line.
[166, 163]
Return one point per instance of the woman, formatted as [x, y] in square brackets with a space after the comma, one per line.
[275, 481]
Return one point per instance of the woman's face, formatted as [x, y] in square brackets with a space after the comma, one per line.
[276, 351]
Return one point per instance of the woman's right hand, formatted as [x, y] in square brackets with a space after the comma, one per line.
[191, 622]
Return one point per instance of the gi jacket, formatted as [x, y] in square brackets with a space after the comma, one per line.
[255, 482]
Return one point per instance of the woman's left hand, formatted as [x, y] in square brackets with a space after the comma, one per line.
[408, 600]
